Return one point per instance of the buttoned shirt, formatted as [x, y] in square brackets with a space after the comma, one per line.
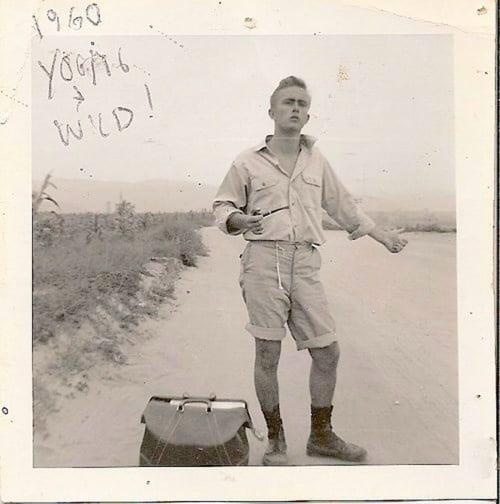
[257, 181]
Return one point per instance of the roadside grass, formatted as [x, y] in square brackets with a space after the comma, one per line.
[72, 276]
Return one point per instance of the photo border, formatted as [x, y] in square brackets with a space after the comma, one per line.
[475, 144]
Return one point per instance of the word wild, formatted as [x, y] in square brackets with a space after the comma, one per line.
[123, 118]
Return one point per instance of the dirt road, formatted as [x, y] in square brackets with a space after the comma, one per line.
[397, 386]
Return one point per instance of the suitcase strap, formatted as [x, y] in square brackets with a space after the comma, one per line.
[174, 422]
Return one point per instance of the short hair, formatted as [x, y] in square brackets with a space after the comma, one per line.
[290, 81]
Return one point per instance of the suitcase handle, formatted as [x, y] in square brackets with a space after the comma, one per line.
[207, 402]
[211, 396]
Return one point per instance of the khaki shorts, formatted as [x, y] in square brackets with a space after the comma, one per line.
[280, 284]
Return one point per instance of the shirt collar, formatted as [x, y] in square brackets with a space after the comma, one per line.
[306, 140]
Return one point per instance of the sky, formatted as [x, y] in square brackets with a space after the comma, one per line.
[382, 108]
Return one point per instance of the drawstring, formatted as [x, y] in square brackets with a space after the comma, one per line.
[278, 248]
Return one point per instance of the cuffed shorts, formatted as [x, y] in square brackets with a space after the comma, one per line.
[280, 285]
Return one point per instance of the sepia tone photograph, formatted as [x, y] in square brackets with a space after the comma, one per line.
[246, 255]
[250, 263]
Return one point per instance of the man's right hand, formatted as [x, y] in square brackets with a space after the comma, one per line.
[242, 222]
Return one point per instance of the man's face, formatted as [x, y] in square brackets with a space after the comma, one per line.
[290, 109]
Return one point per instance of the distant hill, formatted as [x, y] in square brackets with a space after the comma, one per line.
[78, 196]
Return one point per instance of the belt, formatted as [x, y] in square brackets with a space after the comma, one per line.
[284, 243]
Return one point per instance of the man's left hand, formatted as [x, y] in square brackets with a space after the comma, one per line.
[390, 239]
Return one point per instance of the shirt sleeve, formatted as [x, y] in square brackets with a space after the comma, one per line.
[230, 198]
[340, 205]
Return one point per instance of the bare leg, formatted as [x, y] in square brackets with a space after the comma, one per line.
[267, 355]
[323, 376]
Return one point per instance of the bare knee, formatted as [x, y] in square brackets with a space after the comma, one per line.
[327, 358]
[267, 355]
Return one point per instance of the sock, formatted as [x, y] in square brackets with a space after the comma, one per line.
[321, 418]
[274, 422]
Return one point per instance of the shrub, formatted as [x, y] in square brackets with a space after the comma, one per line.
[72, 274]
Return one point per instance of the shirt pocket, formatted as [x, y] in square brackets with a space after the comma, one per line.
[310, 190]
[266, 193]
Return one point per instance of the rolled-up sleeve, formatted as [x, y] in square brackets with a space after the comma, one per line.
[340, 205]
[230, 198]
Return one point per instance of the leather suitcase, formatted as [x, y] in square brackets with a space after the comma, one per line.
[195, 431]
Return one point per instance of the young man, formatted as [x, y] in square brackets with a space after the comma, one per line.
[274, 194]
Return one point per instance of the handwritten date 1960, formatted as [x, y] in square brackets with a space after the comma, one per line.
[92, 14]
